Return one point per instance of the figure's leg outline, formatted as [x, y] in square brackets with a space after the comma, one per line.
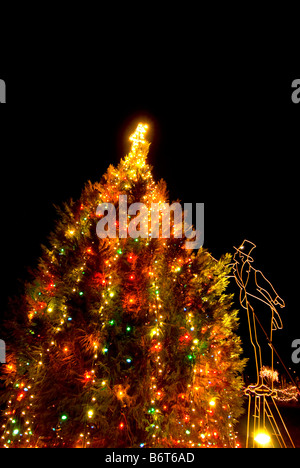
[255, 344]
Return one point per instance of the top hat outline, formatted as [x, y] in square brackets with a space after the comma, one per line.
[246, 248]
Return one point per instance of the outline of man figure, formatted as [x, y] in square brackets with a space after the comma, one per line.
[264, 292]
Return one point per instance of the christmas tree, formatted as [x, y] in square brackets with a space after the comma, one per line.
[122, 341]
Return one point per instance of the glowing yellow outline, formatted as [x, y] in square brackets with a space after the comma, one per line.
[259, 393]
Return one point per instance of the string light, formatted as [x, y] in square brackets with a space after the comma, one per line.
[128, 299]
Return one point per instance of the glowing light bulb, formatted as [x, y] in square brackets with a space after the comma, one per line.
[262, 438]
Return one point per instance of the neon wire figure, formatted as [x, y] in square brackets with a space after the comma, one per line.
[254, 286]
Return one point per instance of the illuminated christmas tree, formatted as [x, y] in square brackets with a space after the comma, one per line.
[122, 342]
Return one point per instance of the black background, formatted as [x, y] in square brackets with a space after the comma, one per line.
[223, 128]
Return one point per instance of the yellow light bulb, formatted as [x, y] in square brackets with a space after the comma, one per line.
[262, 438]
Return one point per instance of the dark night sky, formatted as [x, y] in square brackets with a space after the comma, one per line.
[224, 131]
